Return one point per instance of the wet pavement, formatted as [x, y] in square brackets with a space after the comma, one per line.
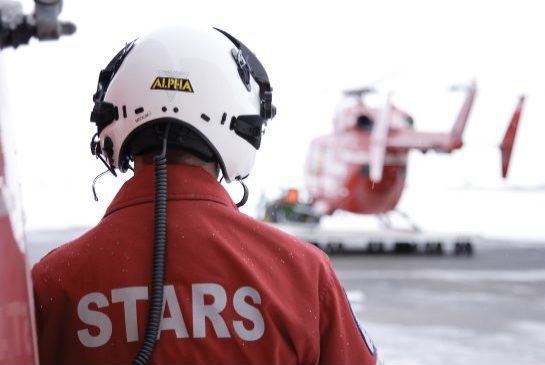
[487, 309]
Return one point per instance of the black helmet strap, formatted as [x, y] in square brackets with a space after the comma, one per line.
[103, 112]
[247, 60]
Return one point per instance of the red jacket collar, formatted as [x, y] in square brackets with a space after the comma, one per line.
[184, 183]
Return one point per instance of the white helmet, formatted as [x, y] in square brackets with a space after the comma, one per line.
[211, 88]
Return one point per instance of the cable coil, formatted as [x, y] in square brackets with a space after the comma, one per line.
[159, 257]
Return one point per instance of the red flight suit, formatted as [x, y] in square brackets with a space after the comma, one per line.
[237, 291]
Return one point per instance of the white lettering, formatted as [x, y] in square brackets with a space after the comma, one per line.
[16, 311]
[94, 318]
[129, 296]
[209, 301]
[176, 320]
[249, 312]
[212, 311]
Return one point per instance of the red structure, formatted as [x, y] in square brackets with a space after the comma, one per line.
[17, 345]
[17, 335]
[506, 145]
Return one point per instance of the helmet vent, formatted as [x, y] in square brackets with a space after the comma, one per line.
[139, 110]
[175, 109]
[205, 117]
[164, 109]
[223, 118]
[124, 111]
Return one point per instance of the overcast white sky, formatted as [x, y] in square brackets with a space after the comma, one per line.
[312, 50]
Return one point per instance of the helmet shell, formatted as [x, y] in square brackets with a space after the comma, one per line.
[190, 76]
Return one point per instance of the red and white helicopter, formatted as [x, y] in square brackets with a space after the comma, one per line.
[17, 336]
[361, 167]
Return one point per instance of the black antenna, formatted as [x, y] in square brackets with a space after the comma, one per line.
[95, 180]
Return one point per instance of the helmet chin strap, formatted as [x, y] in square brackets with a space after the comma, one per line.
[246, 194]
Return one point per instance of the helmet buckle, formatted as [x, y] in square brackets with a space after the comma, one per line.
[268, 110]
[242, 66]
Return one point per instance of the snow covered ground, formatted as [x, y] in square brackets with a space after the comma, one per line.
[487, 309]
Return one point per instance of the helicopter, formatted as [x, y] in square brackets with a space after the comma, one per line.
[17, 329]
[361, 167]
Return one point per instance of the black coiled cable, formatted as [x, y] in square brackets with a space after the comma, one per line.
[159, 257]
